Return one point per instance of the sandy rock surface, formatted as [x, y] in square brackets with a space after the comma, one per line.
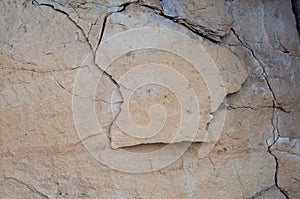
[149, 99]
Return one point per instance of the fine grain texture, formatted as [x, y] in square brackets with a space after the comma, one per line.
[149, 99]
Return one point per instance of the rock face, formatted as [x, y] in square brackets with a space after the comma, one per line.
[149, 99]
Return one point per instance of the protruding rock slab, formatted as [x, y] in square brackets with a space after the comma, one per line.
[170, 88]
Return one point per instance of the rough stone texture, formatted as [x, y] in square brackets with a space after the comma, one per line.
[286, 150]
[45, 45]
[229, 65]
[209, 18]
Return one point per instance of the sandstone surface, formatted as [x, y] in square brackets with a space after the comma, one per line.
[149, 99]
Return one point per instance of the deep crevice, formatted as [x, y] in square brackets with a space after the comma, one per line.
[296, 11]
[276, 172]
[122, 7]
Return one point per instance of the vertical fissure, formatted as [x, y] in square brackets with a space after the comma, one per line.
[274, 120]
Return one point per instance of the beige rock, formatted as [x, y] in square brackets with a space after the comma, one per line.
[210, 18]
[158, 90]
[287, 152]
[278, 55]
[88, 16]
[130, 68]
[47, 67]
[271, 192]
[289, 123]
[275, 46]
[239, 163]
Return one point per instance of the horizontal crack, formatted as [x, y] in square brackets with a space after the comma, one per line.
[40, 71]
[240, 107]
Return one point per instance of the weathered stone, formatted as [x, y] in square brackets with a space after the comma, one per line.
[289, 123]
[271, 192]
[286, 151]
[138, 112]
[209, 18]
[59, 109]
[88, 16]
[268, 41]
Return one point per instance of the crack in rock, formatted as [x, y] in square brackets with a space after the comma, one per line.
[260, 193]
[36, 2]
[203, 32]
[122, 8]
[276, 172]
[274, 120]
[34, 190]
[195, 28]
